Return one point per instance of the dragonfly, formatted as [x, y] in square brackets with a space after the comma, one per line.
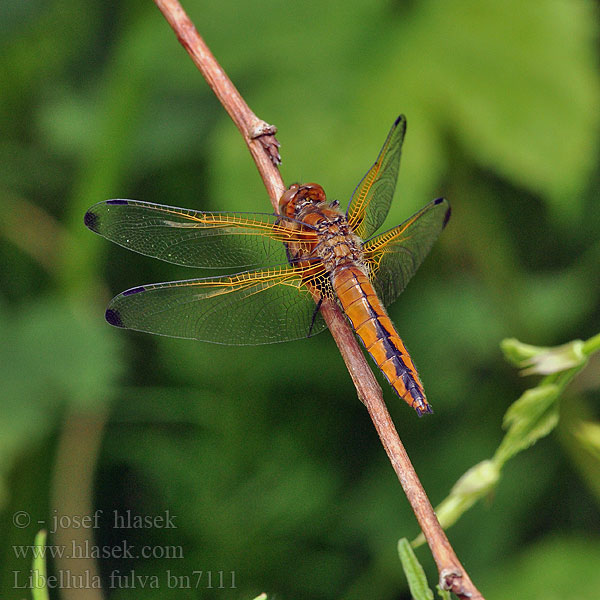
[309, 252]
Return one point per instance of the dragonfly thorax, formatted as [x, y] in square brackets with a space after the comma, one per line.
[336, 245]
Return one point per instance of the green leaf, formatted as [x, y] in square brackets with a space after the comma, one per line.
[504, 82]
[541, 360]
[443, 594]
[39, 590]
[533, 416]
[517, 352]
[53, 352]
[417, 582]
[592, 345]
[87, 359]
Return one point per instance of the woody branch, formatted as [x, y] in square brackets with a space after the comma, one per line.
[259, 137]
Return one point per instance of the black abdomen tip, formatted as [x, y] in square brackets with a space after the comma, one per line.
[423, 409]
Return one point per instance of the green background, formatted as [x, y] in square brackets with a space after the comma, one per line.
[264, 454]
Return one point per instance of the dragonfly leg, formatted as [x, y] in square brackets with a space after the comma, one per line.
[315, 313]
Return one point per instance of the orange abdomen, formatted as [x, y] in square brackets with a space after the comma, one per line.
[378, 334]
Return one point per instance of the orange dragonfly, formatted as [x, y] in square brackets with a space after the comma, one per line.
[316, 252]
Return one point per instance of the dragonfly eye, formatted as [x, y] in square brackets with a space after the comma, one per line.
[287, 197]
[313, 192]
[297, 196]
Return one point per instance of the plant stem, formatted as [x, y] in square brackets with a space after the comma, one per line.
[452, 575]
[592, 345]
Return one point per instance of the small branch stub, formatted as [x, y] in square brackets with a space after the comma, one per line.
[265, 134]
[451, 580]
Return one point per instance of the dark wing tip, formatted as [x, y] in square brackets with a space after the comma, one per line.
[90, 220]
[447, 217]
[448, 212]
[400, 122]
[113, 317]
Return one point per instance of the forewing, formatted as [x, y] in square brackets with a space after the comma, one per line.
[395, 255]
[192, 238]
[371, 200]
[255, 307]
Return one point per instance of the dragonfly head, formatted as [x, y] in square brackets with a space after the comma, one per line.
[298, 196]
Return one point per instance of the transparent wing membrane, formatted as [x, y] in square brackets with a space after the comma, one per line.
[395, 255]
[371, 200]
[192, 238]
[255, 307]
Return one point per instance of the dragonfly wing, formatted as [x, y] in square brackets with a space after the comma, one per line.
[250, 308]
[395, 255]
[192, 238]
[371, 200]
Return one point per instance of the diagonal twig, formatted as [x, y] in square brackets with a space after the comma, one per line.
[259, 137]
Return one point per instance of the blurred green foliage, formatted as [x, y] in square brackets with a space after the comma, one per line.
[264, 454]
[530, 418]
